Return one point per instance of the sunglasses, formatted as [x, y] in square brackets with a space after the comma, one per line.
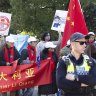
[82, 42]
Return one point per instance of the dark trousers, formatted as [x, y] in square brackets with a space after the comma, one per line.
[28, 91]
[94, 92]
[81, 92]
[68, 94]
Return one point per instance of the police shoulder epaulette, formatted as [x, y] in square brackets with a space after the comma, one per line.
[86, 57]
[89, 62]
[66, 59]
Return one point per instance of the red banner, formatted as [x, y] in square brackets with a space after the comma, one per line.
[25, 76]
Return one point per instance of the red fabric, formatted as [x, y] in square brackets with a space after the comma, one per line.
[53, 64]
[50, 54]
[31, 53]
[10, 58]
[25, 76]
[75, 21]
[14, 66]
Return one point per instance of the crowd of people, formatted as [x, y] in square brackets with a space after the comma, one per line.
[74, 70]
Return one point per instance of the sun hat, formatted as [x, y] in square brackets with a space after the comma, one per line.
[91, 33]
[31, 39]
[50, 45]
[10, 39]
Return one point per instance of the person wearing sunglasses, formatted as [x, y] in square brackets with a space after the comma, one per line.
[76, 72]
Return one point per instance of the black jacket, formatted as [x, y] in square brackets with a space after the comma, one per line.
[2, 59]
[49, 88]
[24, 55]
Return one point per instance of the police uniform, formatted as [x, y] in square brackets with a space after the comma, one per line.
[85, 72]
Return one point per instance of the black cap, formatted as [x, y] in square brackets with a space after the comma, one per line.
[76, 36]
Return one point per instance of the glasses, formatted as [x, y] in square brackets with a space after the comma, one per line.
[82, 42]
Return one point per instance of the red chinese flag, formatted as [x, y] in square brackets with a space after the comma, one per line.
[74, 22]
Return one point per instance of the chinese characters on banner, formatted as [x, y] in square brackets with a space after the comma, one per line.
[25, 76]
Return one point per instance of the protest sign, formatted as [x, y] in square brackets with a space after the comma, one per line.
[5, 19]
[59, 20]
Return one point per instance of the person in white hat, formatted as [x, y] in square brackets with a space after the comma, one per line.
[91, 47]
[8, 54]
[28, 56]
[46, 37]
[49, 53]
[91, 37]
[91, 50]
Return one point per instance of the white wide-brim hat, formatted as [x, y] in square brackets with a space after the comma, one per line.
[10, 39]
[31, 39]
[50, 45]
[91, 33]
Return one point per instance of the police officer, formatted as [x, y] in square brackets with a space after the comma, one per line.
[76, 72]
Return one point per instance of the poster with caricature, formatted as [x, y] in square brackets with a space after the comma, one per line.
[59, 20]
[5, 19]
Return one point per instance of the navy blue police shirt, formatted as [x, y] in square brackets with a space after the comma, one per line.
[65, 84]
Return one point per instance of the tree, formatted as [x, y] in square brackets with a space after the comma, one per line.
[5, 6]
[37, 15]
[34, 15]
[90, 16]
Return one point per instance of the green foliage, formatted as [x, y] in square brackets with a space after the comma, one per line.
[36, 16]
[90, 16]
[4, 6]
